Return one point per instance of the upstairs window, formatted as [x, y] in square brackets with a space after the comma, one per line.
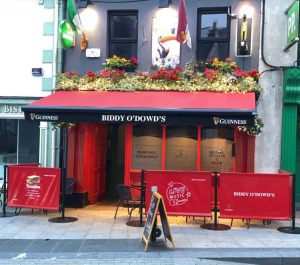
[122, 33]
[213, 35]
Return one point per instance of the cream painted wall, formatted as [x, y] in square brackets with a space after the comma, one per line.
[21, 47]
[268, 144]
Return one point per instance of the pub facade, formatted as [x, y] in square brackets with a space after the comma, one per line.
[114, 132]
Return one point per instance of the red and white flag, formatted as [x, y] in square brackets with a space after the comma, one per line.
[183, 34]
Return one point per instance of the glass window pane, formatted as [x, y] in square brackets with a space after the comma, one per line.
[214, 26]
[181, 149]
[216, 150]
[8, 142]
[126, 50]
[123, 26]
[208, 50]
[146, 147]
[28, 142]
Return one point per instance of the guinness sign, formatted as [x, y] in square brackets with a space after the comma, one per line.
[221, 121]
[37, 117]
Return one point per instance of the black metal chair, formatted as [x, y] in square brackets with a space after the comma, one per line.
[2, 195]
[126, 200]
[69, 189]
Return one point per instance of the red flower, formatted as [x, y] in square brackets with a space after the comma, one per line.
[70, 74]
[134, 60]
[91, 74]
[210, 73]
[254, 73]
[112, 73]
[240, 73]
[74, 73]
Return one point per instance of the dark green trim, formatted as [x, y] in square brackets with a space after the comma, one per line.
[289, 137]
[291, 85]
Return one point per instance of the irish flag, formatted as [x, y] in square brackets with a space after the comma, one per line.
[75, 22]
[73, 17]
[183, 34]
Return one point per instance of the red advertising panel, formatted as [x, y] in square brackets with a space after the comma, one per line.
[33, 187]
[255, 196]
[184, 193]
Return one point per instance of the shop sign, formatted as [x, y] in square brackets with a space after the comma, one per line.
[255, 196]
[222, 121]
[165, 48]
[38, 117]
[124, 117]
[133, 118]
[184, 193]
[67, 35]
[216, 155]
[10, 109]
[293, 21]
[33, 187]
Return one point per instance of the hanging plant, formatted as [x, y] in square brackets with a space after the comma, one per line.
[254, 129]
[217, 76]
[59, 125]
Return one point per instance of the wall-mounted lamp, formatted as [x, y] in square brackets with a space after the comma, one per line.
[84, 3]
[244, 36]
[163, 3]
[232, 15]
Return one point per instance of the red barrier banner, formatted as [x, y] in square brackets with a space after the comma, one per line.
[255, 196]
[33, 187]
[184, 193]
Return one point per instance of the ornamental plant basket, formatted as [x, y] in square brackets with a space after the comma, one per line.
[213, 75]
[217, 76]
[119, 63]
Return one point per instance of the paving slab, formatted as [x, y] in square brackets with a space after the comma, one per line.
[96, 236]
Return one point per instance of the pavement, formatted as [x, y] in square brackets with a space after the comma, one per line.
[96, 238]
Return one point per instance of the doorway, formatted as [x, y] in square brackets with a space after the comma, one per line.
[115, 159]
[96, 161]
[298, 157]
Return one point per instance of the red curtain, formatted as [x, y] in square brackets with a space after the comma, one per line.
[244, 152]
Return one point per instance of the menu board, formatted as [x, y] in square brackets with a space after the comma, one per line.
[156, 205]
[164, 222]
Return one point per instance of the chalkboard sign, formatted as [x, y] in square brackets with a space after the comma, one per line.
[156, 205]
[164, 222]
[152, 213]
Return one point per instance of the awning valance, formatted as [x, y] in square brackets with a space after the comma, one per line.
[159, 107]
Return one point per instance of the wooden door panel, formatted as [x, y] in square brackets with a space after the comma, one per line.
[98, 160]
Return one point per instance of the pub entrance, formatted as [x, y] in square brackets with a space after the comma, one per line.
[95, 159]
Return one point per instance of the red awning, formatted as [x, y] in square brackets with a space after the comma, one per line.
[92, 106]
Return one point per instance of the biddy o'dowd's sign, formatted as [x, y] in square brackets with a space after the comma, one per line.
[133, 118]
[255, 196]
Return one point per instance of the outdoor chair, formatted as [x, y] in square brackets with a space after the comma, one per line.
[69, 189]
[2, 194]
[126, 200]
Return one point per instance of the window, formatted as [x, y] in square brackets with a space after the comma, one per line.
[213, 33]
[217, 149]
[146, 147]
[122, 33]
[19, 142]
[181, 148]
[8, 143]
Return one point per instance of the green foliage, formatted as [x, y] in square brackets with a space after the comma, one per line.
[217, 76]
[255, 129]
